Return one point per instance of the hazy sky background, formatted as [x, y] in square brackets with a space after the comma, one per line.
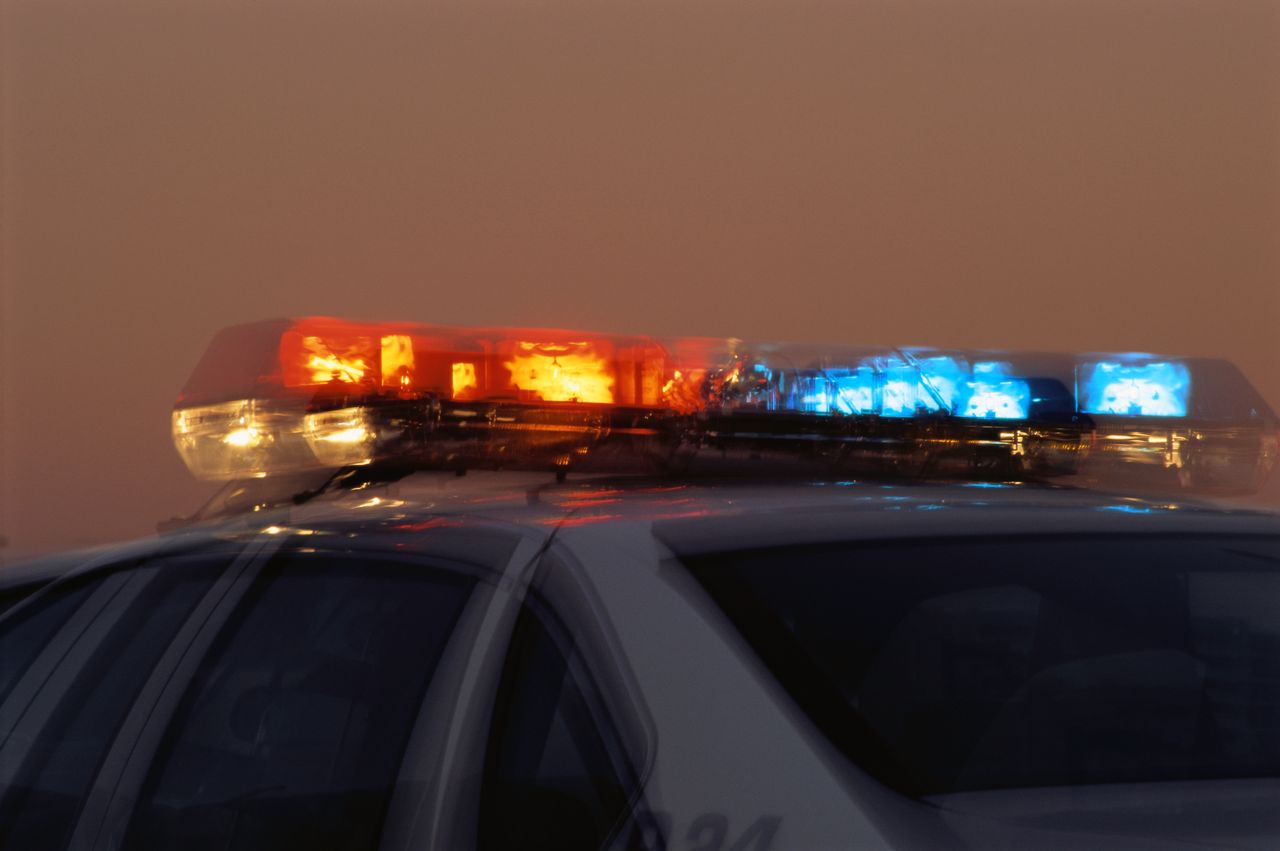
[1062, 174]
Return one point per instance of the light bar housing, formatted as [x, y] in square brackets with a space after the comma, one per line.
[289, 395]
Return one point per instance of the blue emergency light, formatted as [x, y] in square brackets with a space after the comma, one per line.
[1135, 389]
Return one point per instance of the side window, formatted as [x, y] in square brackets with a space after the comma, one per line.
[291, 733]
[15, 594]
[123, 622]
[24, 634]
[554, 774]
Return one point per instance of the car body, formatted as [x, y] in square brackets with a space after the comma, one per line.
[504, 660]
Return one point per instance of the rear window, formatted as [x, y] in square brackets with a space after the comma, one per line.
[965, 664]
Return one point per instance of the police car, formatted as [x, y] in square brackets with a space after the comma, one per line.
[495, 588]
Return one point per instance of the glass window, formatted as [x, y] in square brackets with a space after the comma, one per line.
[39, 810]
[554, 775]
[977, 664]
[292, 732]
[26, 633]
[15, 594]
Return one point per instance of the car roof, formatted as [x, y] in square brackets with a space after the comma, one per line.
[751, 512]
[688, 515]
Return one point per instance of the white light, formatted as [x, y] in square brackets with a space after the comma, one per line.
[340, 438]
[356, 434]
[242, 437]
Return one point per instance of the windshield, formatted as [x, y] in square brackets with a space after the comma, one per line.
[965, 664]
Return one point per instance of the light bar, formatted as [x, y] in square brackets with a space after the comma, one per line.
[289, 395]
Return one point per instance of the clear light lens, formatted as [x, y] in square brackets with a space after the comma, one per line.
[235, 440]
[342, 437]
[1159, 389]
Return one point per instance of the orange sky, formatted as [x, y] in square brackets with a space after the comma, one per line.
[1062, 174]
